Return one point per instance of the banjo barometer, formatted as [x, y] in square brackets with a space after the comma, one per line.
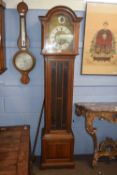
[60, 36]
[23, 60]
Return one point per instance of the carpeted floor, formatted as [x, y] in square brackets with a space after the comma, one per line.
[82, 167]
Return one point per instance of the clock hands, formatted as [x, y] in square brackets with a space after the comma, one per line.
[62, 37]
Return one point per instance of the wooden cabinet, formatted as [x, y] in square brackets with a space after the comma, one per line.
[60, 35]
[14, 150]
[2, 38]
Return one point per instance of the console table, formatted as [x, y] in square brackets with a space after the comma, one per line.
[103, 111]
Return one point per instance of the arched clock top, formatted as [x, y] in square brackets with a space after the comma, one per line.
[60, 31]
[57, 10]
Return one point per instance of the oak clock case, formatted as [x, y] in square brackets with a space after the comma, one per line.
[2, 38]
[23, 60]
[60, 36]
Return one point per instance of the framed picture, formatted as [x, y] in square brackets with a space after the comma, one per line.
[100, 42]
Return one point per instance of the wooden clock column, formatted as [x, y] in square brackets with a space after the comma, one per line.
[60, 36]
[2, 38]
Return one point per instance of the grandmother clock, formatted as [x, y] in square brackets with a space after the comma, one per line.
[60, 36]
[2, 38]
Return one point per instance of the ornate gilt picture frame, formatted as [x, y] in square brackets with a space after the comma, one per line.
[100, 42]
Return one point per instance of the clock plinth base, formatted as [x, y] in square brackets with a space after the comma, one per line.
[57, 165]
[57, 150]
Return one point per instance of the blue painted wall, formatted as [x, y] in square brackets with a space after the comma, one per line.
[21, 104]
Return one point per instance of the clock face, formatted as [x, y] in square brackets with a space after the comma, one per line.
[61, 37]
[24, 61]
[60, 34]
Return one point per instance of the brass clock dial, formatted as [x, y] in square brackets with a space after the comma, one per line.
[23, 60]
[60, 35]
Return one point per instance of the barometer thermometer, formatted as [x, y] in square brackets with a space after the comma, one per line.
[23, 60]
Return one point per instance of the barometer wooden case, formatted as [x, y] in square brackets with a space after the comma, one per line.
[23, 60]
[60, 36]
[2, 38]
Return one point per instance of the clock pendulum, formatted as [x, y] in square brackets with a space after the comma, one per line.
[60, 36]
[2, 38]
[23, 60]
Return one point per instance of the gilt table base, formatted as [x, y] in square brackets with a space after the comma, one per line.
[102, 111]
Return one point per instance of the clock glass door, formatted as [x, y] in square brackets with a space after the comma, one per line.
[58, 83]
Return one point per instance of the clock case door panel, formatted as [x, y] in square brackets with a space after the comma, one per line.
[58, 90]
[2, 38]
[57, 150]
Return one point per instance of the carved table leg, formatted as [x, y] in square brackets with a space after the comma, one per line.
[92, 131]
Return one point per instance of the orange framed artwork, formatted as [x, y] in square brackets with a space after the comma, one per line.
[100, 42]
